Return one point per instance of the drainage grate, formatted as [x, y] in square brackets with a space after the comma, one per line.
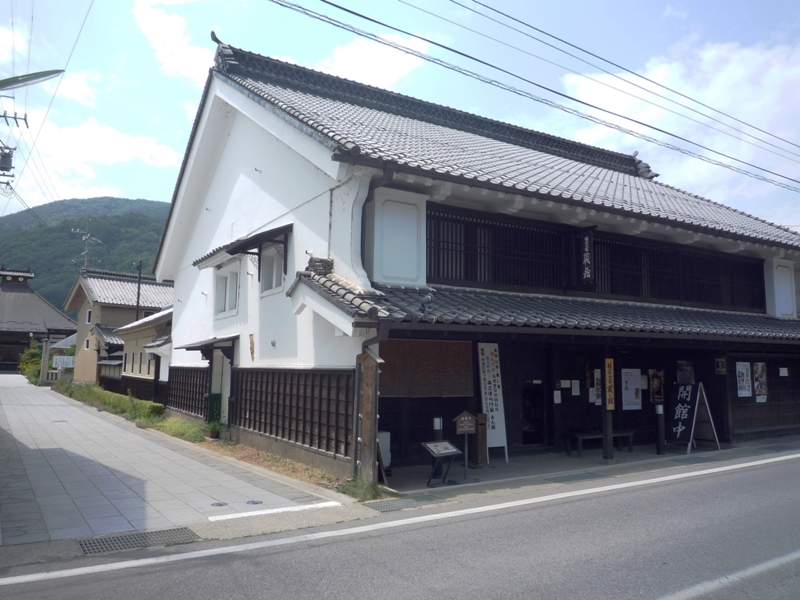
[402, 503]
[134, 541]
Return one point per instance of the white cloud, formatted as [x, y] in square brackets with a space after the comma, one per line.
[72, 154]
[74, 86]
[8, 40]
[166, 33]
[754, 83]
[675, 11]
[372, 63]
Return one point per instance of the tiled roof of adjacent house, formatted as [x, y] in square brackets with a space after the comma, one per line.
[162, 315]
[107, 335]
[474, 307]
[371, 125]
[120, 289]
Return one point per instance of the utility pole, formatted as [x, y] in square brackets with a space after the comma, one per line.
[87, 239]
[138, 289]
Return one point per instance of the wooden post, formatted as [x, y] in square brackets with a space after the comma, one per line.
[368, 431]
[608, 423]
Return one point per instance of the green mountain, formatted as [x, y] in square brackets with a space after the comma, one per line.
[127, 230]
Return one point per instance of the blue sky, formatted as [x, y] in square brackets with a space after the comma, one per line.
[120, 118]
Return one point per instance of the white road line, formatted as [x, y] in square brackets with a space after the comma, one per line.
[160, 560]
[733, 578]
[273, 511]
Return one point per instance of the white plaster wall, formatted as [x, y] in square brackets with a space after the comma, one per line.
[779, 286]
[258, 184]
[395, 237]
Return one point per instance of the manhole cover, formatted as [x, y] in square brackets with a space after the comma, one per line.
[219, 504]
[134, 541]
[402, 503]
[254, 502]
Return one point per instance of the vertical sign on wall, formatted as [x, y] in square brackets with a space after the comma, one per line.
[492, 395]
[609, 384]
[587, 255]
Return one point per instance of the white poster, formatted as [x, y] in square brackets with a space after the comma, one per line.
[744, 384]
[492, 396]
[631, 389]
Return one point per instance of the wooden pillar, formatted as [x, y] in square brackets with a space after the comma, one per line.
[367, 432]
[555, 376]
[609, 394]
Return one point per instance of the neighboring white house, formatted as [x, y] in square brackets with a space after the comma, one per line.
[145, 355]
[320, 228]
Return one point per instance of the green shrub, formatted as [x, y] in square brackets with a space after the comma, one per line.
[362, 490]
[30, 363]
[177, 427]
[90, 393]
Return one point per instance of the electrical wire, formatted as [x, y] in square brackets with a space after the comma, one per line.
[531, 96]
[30, 46]
[616, 89]
[634, 73]
[55, 92]
[524, 94]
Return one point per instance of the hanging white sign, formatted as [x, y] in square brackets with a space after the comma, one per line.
[492, 396]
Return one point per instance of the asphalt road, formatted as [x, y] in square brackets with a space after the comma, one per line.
[720, 535]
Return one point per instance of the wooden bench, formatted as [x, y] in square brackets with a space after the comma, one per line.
[579, 436]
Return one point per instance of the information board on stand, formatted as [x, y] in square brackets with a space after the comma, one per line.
[492, 397]
[689, 417]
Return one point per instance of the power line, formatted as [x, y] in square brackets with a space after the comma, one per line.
[524, 94]
[55, 92]
[608, 85]
[634, 73]
[517, 91]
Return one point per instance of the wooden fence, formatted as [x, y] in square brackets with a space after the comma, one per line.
[188, 390]
[313, 408]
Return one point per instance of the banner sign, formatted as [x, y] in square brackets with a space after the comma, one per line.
[689, 418]
[492, 396]
[609, 384]
[587, 256]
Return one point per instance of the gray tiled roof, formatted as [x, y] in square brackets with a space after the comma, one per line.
[372, 124]
[23, 310]
[107, 335]
[468, 307]
[158, 341]
[106, 287]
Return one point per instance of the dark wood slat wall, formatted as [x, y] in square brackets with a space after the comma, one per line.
[312, 408]
[473, 247]
[188, 390]
[426, 369]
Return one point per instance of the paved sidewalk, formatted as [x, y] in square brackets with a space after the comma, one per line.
[68, 471]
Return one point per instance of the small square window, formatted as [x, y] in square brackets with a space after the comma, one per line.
[86, 343]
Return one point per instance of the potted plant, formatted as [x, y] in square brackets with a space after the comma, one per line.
[212, 429]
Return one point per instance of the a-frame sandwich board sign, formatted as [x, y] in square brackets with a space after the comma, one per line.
[689, 417]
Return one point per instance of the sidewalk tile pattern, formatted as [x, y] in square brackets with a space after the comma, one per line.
[68, 471]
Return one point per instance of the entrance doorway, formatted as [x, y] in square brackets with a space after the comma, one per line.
[534, 415]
